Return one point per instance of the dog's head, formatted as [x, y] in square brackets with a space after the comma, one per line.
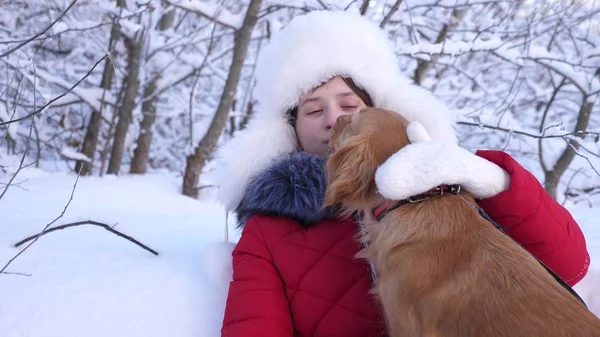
[360, 143]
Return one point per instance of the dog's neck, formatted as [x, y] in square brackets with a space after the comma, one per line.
[382, 208]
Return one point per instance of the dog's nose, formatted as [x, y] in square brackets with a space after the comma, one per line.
[344, 120]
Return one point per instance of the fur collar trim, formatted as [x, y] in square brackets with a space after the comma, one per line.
[293, 187]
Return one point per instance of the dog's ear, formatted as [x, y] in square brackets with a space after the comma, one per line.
[416, 132]
[351, 173]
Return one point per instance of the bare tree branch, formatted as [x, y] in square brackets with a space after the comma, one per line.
[567, 156]
[350, 4]
[79, 29]
[211, 44]
[423, 66]
[196, 161]
[528, 134]
[21, 166]
[57, 97]
[27, 147]
[543, 121]
[215, 16]
[568, 188]
[576, 151]
[457, 3]
[12, 50]
[87, 222]
[322, 4]
[13, 273]
[389, 14]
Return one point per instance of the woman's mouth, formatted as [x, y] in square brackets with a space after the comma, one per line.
[329, 151]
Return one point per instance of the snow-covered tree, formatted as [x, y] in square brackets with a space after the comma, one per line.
[118, 86]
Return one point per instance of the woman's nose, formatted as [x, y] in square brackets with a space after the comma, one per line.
[333, 115]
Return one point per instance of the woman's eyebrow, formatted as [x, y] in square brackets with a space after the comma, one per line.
[318, 98]
[312, 99]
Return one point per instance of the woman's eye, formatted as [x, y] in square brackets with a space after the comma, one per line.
[314, 112]
[349, 107]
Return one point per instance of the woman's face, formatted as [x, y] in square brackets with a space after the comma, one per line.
[319, 109]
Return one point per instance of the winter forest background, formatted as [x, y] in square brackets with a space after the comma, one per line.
[92, 90]
[112, 87]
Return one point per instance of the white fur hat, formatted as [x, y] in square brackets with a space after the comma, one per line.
[312, 49]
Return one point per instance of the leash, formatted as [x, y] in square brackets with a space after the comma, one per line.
[380, 211]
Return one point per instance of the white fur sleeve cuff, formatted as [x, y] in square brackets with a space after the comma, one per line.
[422, 166]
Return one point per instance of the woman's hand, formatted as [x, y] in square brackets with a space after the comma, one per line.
[425, 164]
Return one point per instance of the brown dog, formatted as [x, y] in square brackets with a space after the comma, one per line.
[443, 269]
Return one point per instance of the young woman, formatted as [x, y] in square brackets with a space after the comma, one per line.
[294, 267]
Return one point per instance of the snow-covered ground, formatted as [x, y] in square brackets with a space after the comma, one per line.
[86, 281]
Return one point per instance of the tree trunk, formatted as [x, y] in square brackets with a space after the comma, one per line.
[142, 150]
[105, 152]
[135, 48]
[424, 66]
[247, 116]
[144, 141]
[196, 161]
[364, 7]
[90, 140]
[552, 177]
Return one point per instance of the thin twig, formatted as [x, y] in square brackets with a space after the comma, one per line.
[214, 17]
[350, 4]
[21, 166]
[322, 4]
[389, 15]
[14, 273]
[209, 49]
[57, 97]
[81, 29]
[568, 188]
[46, 227]
[12, 50]
[523, 133]
[88, 222]
[202, 187]
[575, 150]
[19, 183]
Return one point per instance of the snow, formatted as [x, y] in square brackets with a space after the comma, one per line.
[129, 29]
[589, 287]
[71, 153]
[450, 47]
[60, 27]
[11, 129]
[86, 281]
[219, 13]
[91, 96]
[562, 67]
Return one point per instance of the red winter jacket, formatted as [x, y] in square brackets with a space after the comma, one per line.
[294, 270]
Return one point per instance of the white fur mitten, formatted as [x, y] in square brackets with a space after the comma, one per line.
[425, 164]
